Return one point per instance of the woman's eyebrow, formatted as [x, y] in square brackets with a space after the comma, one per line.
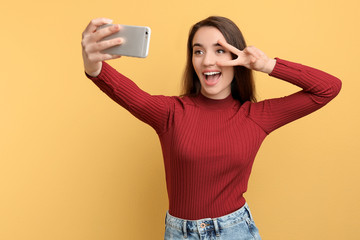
[200, 45]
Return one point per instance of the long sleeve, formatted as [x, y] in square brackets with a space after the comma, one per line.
[151, 109]
[318, 88]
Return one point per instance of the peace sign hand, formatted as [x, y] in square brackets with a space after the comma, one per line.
[250, 57]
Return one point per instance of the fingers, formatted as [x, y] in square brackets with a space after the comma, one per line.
[93, 34]
[98, 34]
[99, 46]
[259, 61]
[95, 59]
[92, 46]
[105, 57]
[92, 50]
[230, 63]
[229, 47]
[254, 52]
[95, 23]
[250, 57]
[106, 31]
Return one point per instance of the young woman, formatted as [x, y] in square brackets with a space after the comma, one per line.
[211, 134]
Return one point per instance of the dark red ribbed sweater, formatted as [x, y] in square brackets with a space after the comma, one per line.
[209, 145]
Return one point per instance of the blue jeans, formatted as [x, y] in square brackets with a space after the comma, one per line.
[238, 225]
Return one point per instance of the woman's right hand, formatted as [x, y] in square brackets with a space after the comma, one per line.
[92, 46]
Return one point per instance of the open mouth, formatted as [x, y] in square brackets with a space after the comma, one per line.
[212, 78]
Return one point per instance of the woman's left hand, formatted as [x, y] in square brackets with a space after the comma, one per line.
[250, 57]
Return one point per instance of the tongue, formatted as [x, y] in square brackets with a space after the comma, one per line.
[212, 78]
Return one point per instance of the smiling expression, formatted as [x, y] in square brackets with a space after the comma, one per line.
[215, 80]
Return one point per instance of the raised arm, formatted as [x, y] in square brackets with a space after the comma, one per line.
[153, 110]
[319, 88]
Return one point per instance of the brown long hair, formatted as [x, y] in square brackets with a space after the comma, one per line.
[242, 86]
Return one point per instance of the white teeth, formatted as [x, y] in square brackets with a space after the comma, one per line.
[211, 73]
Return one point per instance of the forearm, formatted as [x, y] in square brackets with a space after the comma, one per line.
[321, 84]
[153, 110]
[318, 89]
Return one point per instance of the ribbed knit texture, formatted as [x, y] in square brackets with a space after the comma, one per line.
[209, 146]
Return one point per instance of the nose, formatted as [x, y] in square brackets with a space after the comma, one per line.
[209, 59]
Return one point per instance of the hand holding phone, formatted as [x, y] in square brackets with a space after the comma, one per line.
[136, 41]
[92, 46]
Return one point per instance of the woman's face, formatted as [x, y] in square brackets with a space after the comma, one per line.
[215, 80]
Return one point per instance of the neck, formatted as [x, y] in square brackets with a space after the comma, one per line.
[216, 104]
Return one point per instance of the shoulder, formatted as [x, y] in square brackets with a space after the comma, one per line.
[182, 101]
[255, 109]
[176, 102]
[246, 106]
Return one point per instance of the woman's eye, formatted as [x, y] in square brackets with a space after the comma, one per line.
[220, 51]
[197, 52]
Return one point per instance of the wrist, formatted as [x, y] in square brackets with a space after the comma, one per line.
[94, 72]
[269, 67]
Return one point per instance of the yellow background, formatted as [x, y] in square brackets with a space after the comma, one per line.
[74, 165]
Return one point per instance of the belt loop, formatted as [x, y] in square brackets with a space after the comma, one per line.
[216, 227]
[184, 229]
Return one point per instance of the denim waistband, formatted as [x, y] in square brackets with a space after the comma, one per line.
[209, 224]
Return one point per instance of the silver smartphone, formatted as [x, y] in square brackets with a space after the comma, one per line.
[136, 44]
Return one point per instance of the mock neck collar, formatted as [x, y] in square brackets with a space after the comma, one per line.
[216, 104]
